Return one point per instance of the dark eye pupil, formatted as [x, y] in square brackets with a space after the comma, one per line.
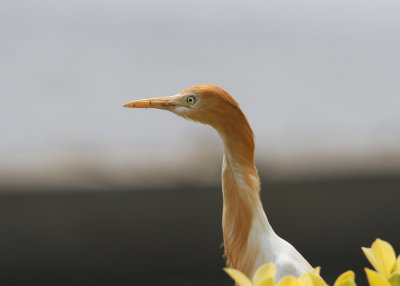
[190, 99]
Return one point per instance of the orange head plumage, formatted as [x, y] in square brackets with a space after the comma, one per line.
[208, 104]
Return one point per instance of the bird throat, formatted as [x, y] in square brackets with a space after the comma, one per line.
[241, 202]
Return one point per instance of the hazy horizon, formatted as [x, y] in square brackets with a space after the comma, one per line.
[317, 80]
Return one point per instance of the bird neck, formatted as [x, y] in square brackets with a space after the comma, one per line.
[242, 208]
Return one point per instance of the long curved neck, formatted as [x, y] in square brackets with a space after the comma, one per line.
[241, 202]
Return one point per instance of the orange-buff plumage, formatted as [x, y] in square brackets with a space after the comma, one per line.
[249, 239]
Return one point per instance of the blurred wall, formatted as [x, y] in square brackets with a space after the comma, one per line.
[172, 235]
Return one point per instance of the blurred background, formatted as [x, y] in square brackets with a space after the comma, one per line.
[94, 194]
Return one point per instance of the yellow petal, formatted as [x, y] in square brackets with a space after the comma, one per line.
[381, 256]
[396, 267]
[263, 272]
[288, 281]
[316, 270]
[267, 282]
[310, 279]
[346, 279]
[305, 280]
[394, 279]
[375, 279]
[239, 277]
[317, 280]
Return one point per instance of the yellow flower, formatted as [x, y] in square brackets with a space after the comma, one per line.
[311, 279]
[376, 279]
[264, 276]
[381, 255]
[383, 258]
[346, 279]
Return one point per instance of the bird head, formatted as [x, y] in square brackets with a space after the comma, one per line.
[207, 104]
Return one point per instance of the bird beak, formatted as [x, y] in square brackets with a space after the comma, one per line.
[159, 102]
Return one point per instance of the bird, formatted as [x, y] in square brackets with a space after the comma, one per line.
[248, 238]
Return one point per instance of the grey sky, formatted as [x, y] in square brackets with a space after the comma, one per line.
[312, 76]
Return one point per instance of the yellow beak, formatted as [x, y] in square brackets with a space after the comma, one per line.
[159, 102]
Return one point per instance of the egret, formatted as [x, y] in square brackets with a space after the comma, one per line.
[249, 240]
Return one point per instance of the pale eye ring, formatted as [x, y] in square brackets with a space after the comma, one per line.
[191, 99]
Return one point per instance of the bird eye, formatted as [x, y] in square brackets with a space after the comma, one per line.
[191, 99]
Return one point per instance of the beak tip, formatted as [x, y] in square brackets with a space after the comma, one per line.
[128, 105]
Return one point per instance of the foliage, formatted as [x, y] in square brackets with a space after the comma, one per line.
[381, 255]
